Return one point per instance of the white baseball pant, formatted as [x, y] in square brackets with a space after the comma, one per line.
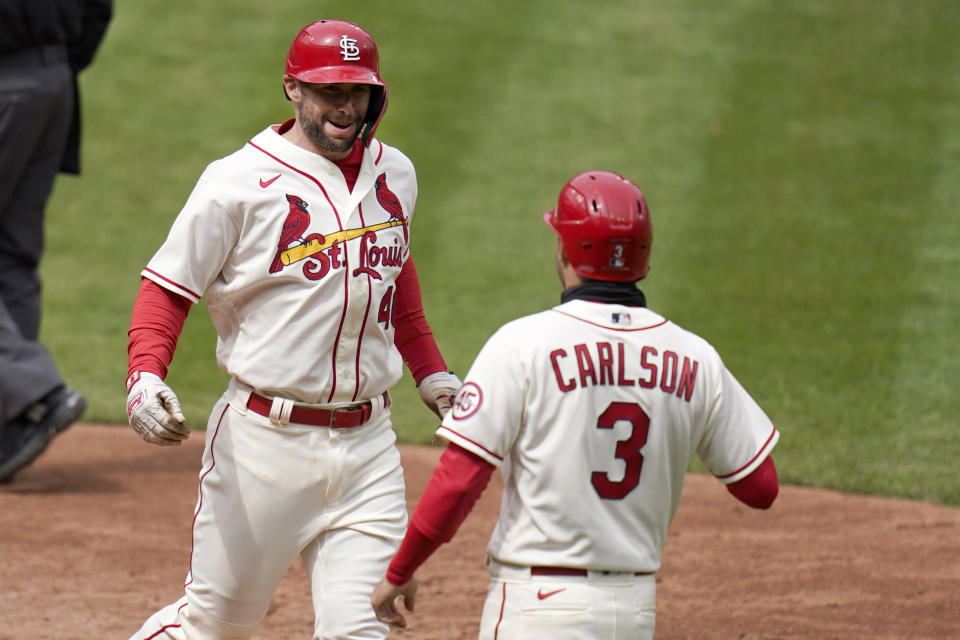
[599, 606]
[269, 492]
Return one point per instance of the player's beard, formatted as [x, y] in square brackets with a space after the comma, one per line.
[314, 131]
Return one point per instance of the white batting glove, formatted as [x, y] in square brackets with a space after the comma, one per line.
[438, 390]
[153, 410]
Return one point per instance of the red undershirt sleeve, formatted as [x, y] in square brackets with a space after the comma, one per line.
[453, 490]
[760, 488]
[413, 336]
[155, 326]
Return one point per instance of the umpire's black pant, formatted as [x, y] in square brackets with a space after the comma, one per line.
[36, 111]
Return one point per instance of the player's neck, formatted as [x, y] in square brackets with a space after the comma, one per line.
[625, 293]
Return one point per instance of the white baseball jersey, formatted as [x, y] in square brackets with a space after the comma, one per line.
[298, 271]
[594, 412]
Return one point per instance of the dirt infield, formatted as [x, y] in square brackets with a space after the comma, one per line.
[95, 536]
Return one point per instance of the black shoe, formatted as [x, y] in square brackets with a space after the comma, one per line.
[25, 437]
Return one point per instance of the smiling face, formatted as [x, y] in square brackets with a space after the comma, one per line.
[329, 116]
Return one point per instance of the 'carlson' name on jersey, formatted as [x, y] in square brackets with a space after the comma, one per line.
[603, 363]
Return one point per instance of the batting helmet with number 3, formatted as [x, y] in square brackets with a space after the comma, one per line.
[335, 51]
[604, 225]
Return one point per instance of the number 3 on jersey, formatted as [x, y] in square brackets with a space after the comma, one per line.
[627, 450]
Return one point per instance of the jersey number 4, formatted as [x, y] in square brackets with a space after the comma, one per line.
[385, 312]
[627, 450]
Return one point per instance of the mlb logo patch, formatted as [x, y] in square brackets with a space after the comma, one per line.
[620, 318]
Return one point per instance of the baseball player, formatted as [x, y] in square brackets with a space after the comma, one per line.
[300, 243]
[592, 410]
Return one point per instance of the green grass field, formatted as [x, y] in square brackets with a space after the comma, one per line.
[800, 158]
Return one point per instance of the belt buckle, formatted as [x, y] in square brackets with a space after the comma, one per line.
[364, 408]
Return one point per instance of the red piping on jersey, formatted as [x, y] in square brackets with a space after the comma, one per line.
[363, 222]
[363, 325]
[343, 317]
[603, 326]
[503, 605]
[303, 173]
[762, 449]
[379, 155]
[173, 284]
[477, 444]
[213, 463]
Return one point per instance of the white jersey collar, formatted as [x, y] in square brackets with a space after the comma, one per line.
[611, 316]
[315, 165]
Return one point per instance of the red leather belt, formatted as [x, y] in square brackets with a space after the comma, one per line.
[564, 571]
[352, 416]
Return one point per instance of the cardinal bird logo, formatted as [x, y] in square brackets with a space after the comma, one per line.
[390, 202]
[298, 219]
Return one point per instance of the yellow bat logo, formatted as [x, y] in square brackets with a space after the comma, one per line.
[307, 249]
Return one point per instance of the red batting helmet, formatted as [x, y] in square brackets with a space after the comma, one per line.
[604, 224]
[334, 51]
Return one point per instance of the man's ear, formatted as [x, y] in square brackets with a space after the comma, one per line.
[562, 258]
[291, 87]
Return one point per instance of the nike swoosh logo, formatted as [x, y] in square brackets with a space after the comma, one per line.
[267, 183]
[543, 596]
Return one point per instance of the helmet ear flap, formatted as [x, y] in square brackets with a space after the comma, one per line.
[375, 110]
